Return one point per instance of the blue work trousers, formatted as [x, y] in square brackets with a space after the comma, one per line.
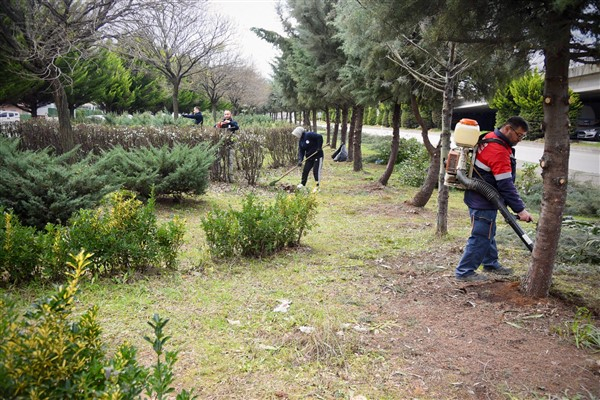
[481, 245]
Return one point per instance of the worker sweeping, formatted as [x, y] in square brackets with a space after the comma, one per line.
[310, 144]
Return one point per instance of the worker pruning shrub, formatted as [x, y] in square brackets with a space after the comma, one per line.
[260, 229]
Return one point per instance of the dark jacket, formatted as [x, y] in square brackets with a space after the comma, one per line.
[309, 143]
[196, 116]
[230, 125]
[496, 164]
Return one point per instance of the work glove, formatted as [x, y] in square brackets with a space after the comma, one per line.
[299, 163]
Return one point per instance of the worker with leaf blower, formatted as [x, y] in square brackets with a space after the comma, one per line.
[495, 164]
[310, 145]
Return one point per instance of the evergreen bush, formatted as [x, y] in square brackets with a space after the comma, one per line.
[407, 119]
[412, 171]
[50, 354]
[40, 187]
[258, 229]
[382, 147]
[173, 171]
[524, 97]
[123, 234]
[19, 249]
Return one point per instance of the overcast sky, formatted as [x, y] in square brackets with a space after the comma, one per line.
[253, 13]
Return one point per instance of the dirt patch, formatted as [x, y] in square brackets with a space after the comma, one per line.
[503, 292]
[483, 341]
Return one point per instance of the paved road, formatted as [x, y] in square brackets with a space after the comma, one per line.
[584, 162]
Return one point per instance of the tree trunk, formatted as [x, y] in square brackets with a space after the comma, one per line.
[328, 124]
[358, 166]
[65, 130]
[351, 132]
[314, 120]
[448, 98]
[336, 128]
[421, 198]
[352, 122]
[554, 163]
[396, 111]
[175, 83]
[213, 110]
[306, 118]
[344, 123]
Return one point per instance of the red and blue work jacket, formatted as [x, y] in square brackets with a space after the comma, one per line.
[495, 163]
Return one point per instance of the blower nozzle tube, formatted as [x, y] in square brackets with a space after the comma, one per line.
[493, 196]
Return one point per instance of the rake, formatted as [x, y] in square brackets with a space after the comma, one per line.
[290, 171]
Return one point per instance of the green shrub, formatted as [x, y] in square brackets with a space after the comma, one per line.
[258, 229]
[171, 171]
[579, 242]
[40, 187]
[582, 198]
[407, 119]
[19, 249]
[49, 354]
[382, 147]
[123, 234]
[413, 170]
[28, 254]
[524, 96]
[527, 178]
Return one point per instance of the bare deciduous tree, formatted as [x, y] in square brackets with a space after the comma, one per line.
[247, 89]
[216, 79]
[47, 38]
[178, 41]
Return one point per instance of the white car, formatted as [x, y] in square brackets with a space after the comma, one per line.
[9, 117]
[588, 133]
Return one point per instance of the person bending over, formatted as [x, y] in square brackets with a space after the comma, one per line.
[310, 146]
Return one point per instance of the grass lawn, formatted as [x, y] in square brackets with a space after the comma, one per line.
[360, 262]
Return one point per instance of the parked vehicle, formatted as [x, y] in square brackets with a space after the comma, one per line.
[588, 133]
[9, 117]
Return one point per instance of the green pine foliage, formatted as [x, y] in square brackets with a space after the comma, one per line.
[260, 229]
[53, 352]
[40, 187]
